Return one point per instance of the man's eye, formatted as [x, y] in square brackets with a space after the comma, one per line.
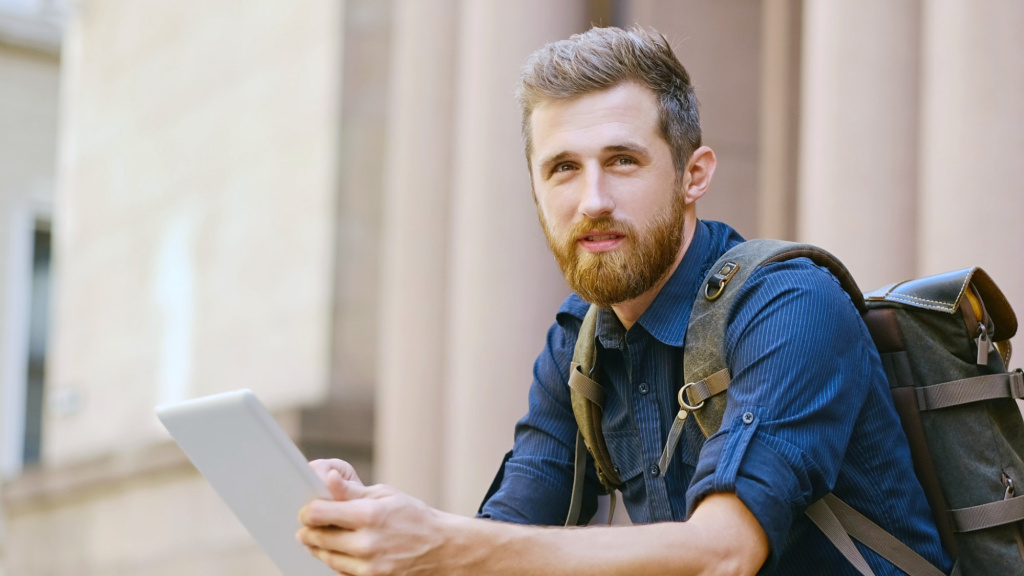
[624, 161]
[563, 167]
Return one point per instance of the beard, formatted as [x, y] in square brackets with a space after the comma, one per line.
[644, 256]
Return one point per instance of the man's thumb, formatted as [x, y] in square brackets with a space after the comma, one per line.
[341, 489]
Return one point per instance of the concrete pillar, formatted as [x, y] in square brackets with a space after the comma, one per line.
[719, 43]
[504, 287]
[971, 141]
[858, 168]
[779, 122]
[410, 392]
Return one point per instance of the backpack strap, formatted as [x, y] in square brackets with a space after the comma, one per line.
[704, 348]
[587, 398]
[707, 376]
[839, 521]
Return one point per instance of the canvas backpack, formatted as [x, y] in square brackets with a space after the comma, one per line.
[944, 345]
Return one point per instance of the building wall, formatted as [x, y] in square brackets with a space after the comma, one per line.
[195, 220]
[197, 188]
[28, 138]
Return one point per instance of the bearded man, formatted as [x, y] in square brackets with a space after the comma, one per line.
[614, 149]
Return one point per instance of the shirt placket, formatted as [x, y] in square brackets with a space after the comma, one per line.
[647, 419]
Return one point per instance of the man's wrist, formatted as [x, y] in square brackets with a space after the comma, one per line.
[473, 546]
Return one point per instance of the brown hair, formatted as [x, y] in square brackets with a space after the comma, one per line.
[603, 58]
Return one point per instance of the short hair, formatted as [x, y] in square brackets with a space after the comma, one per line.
[603, 58]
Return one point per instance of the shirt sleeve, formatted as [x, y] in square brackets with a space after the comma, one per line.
[797, 350]
[537, 483]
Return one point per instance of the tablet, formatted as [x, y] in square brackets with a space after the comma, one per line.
[254, 467]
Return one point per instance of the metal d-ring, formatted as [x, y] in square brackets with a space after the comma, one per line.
[682, 399]
[720, 279]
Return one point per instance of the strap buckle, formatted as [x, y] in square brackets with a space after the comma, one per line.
[720, 279]
[682, 399]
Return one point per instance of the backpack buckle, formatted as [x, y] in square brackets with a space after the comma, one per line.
[682, 398]
[720, 279]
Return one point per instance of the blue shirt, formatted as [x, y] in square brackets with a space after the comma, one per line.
[802, 362]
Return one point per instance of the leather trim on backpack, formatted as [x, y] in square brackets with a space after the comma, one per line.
[943, 293]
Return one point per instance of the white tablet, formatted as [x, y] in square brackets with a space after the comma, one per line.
[254, 467]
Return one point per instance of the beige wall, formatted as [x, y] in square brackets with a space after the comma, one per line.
[196, 211]
[28, 141]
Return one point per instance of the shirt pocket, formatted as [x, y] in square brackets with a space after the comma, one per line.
[624, 447]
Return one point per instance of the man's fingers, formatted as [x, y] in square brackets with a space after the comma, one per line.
[337, 486]
[323, 467]
[343, 489]
[346, 542]
[348, 514]
[343, 565]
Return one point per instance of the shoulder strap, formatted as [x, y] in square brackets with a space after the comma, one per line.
[704, 348]
[707, 376]
[587, 398]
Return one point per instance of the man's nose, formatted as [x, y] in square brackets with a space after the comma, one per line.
[596, 201]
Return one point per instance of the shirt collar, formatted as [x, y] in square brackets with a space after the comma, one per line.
[667, 317]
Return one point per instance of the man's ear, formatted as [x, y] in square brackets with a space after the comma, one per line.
[699, 170]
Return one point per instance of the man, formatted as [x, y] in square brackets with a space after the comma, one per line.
[614, 151]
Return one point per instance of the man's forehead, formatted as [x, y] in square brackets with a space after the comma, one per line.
[624, 112]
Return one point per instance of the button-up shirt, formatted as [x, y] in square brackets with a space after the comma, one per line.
[809, 412]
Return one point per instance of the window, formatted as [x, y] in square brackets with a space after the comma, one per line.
[37, 336]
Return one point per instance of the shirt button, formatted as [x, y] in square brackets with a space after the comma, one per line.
[748, 418]
[643, 388]
[654, 470]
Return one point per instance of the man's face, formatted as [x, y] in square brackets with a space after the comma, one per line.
[606, 192]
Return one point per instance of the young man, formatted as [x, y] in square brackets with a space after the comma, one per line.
[613, 144]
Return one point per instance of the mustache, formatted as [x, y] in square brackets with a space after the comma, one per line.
[605, 224]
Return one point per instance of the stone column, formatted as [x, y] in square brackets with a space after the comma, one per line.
[504, 287]
[410, 392]
[779, 118]
[720, 45]
[972, 200]
[858, 165]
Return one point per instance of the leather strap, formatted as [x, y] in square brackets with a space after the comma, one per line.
[988, 515]
[713, 385]
[826, 521]
[967, 390]
[581, 383]
[879, 540]
[579, 471]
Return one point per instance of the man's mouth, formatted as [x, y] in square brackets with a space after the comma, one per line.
[600, 241]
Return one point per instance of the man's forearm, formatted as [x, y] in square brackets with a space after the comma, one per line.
[711, 543]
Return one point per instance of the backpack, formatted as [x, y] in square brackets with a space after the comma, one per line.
[944, 345]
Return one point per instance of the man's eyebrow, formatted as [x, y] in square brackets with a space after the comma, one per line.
[633, 147]
[552, 160]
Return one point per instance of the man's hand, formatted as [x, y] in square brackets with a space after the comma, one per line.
[371, 529]
[323, 467]
[377, 530]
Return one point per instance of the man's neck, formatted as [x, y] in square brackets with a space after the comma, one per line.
[630, 311]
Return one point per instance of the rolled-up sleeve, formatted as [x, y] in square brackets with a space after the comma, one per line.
[798, 353]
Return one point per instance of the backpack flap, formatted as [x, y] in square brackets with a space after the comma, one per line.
[987, 313]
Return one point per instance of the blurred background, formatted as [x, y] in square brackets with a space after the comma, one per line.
[327, 202]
